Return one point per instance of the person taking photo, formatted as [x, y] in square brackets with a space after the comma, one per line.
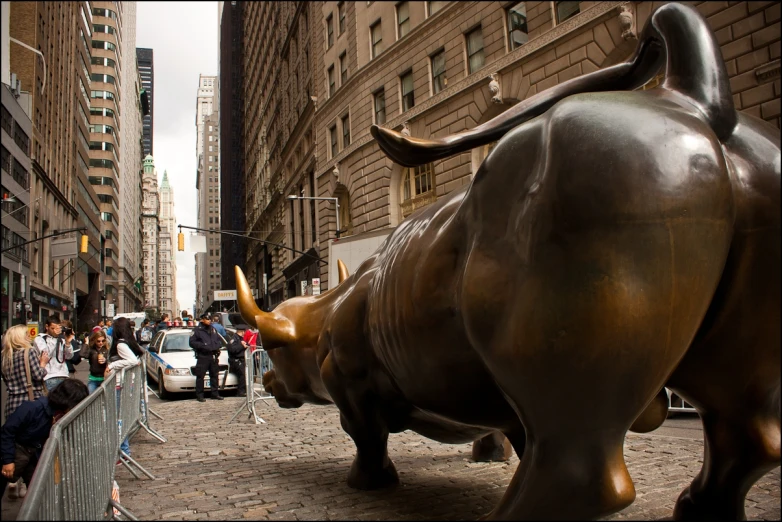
[58, 347]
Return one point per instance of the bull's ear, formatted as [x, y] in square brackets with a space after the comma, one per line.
[343, 270]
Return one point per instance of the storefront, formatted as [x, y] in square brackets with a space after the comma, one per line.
[46, 304]
[11, 298]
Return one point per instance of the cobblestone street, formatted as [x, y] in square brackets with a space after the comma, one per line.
[295, 466]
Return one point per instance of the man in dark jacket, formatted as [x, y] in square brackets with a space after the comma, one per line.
[206, 343]
[27, 429]
[236, 365]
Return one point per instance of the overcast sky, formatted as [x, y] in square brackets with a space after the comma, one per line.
[183, 37]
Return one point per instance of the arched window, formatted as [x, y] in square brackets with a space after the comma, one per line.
[417, 188]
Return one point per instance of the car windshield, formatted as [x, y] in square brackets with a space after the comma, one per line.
[180, 342]
[234, 319]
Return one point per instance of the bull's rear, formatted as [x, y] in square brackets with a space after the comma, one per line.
[594, 261]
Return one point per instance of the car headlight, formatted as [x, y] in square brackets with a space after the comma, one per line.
[177, 371]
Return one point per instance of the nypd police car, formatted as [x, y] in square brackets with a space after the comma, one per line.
[170, 362]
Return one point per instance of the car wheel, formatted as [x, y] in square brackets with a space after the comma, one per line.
[161, 387]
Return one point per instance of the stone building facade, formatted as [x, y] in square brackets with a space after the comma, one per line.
[433, 69]
[280, 74]
[150, 234]
[166, 251]
[208, 184]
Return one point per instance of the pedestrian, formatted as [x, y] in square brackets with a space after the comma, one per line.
[162, 324]
[97, 353]
[109, 328]
[236, 363]
[145, 334]
[27, 429]
[98, 326]
[251, 337]
[67, 329]
[219, 327]
[18, 352]
[124, 353]
[59, 348]
[207, 343]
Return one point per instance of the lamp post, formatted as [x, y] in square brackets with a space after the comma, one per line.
[335, 200]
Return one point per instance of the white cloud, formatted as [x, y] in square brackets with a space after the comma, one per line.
[183, 37]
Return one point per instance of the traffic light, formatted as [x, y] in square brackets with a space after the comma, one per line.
[84, 244]
[181, 242]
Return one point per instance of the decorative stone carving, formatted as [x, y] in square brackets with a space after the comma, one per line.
[495, 88]
[336, 170]
[405, 128]
[626, 23]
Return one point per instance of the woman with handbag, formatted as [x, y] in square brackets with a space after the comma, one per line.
[23, 370]
[97, 353]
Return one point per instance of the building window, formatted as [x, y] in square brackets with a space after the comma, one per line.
[333, 138]
[417, 189]
[408, 96]
[377, 39]
[345, 131]
[474, 50]
[438, 71]
[433, 7]
[341, 11]
[331, 81]
[380, 107]
[517, 26]
[329, 32]
[403, 19]
[566, 10]
[343, 68]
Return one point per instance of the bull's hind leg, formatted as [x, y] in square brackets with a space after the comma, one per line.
[731, 374]
[360, 416]
[603, 321]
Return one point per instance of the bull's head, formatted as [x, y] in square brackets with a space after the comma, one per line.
[289, 335]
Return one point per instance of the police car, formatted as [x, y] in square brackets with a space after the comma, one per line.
[170, 361]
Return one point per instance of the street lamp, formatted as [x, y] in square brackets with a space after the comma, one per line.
[335, 200]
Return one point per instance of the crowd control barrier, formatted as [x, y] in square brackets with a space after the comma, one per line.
[75, 474]
[256, 363]
[677, 404]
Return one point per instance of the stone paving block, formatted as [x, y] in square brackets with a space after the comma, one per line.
[251, 478]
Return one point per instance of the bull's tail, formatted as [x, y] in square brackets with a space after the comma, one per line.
[675, 35]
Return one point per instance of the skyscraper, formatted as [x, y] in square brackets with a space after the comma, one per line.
[146, 68]
[230, 101]
[207, 184]
[166, 251]
[150, 231]
[61, 197]
[130, 168]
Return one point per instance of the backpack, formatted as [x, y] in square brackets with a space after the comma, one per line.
[146, 335]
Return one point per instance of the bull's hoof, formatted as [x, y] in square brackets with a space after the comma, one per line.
[492, 448]
[366, 480]
[688, 508]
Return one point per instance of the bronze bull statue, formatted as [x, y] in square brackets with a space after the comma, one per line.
[612, 243]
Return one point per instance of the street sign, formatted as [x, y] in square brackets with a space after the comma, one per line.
[64, 248]
[32, 329]
[304, 287]
[316, 286]
[110, 310]
[225, 295]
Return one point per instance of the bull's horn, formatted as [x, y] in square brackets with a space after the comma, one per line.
[343, 270]
[274, 329]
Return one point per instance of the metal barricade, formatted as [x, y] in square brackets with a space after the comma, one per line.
[75, 474]
[677, 404]
[256, 363]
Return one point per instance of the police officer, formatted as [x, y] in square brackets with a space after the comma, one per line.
[206, 343]
[236, 348]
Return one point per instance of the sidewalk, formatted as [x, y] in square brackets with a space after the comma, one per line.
[295, 466]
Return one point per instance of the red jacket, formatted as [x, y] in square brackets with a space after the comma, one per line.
[250, 338]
